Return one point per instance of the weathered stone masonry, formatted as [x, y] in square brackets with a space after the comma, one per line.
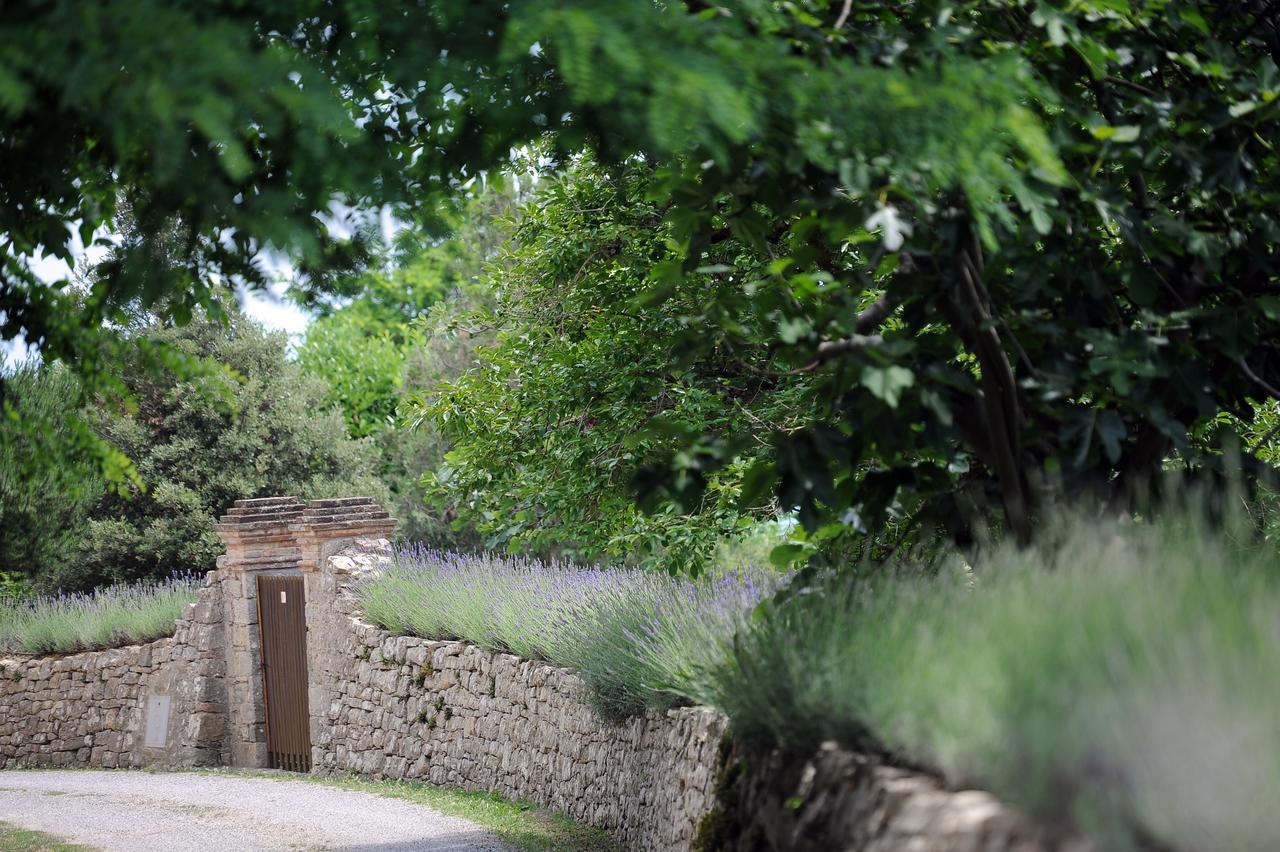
[273, 535]
[453, 714]
[162, 704]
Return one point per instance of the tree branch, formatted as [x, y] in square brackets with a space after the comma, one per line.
[999, 395]
[1258, 380]
[876, 313]
[844, 14]
[829, 349]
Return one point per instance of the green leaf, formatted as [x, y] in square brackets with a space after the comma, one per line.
[1094, 54]
[1122, 133]
[1111, 432]
[786, 555]
[1040, 220]
[792, 329]
[887, 383]
[757, 484]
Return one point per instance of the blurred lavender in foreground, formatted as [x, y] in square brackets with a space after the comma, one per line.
[106, 618]
[637, 638]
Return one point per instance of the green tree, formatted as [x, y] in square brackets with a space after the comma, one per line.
[556, 418]
[387, 335]
[44, 507]
[1023, 248]
[1051, 317]
[366, 327]
[249, 426]
[362, 367]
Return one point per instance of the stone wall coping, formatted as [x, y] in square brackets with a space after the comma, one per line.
[328, 502]
[268, 501]
[369, 523]
[240, 516]
[261, 511]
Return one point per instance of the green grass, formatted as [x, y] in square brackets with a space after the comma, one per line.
[1123, 680]
[107, 618]
[15, 839]
[521, 824]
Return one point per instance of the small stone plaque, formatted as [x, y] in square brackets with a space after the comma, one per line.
[157, 733]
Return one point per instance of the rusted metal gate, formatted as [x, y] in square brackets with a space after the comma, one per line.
[282, 618]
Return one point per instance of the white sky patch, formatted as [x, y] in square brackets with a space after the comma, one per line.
[273, 310]
[12, 352]
[268, 307]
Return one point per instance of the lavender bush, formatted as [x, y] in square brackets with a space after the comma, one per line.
[637, 638]
[107, 618]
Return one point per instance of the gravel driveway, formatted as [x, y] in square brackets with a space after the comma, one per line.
[184, 811]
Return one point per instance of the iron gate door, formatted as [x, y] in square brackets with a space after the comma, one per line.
[282, 620]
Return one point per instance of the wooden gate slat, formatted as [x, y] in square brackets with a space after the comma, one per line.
[284, 670]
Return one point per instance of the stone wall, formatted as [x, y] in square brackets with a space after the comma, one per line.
[451, 713]
[836, 800]
[161, 704]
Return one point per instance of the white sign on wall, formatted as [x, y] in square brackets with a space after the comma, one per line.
[157, 733]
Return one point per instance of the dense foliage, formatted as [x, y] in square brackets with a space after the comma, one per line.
[1021, 252]
[1020, 249]
[554, 421]
[389, 336]
[249, 425]
[49, 480]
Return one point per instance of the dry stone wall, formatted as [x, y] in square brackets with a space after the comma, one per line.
[837, 800]
[451, 713]
[161, 704]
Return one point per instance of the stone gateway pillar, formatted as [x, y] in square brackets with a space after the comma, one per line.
[327, 525]
[274, 536]
[258, 541]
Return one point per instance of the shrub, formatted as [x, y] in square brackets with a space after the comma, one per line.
[249, 426]
[637, 638]
[1124, 680]
[107, 618]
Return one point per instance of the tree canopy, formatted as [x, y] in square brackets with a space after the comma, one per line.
[1018, 249]
[251, 425]
[386, 336]
[554, 419]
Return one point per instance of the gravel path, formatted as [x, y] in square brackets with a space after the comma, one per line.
[183, 811]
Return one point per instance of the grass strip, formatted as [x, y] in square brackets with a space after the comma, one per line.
[16, 839]
[520, 823]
